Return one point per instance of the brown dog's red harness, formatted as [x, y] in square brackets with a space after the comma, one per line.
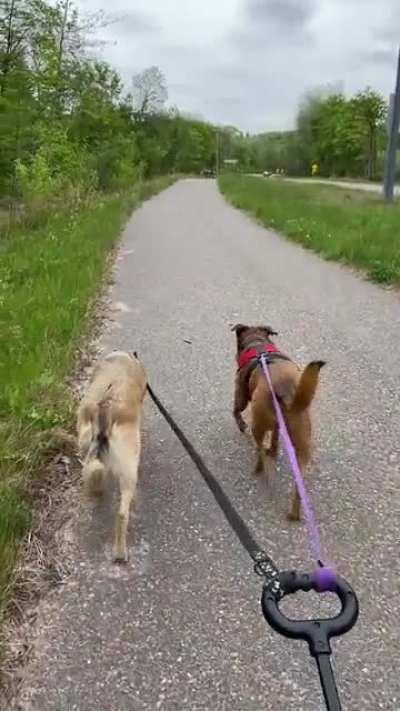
[254, 353]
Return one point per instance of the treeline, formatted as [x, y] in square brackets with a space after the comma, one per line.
[67, 126]
[345, 136]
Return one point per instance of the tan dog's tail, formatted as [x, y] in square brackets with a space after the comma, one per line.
[307, 386]
[94, 470]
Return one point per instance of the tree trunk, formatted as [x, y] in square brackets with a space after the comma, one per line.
[371, 158]
[60, 57]
[9, 48]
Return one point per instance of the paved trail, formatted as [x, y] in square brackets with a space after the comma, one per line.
[180, 627]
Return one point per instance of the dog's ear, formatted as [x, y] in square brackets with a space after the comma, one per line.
[239, 328]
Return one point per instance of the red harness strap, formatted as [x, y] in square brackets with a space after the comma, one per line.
[253, 353]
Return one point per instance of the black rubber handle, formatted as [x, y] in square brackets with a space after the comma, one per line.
[316, 632]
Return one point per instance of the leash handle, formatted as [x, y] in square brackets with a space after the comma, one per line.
[328, 683]
[317, 633]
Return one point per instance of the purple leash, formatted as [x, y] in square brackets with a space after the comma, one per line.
[324, 577]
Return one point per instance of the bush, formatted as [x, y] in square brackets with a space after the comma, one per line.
[59, 170]
[117, 165]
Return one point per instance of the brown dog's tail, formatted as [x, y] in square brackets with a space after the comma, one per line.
[307, 386]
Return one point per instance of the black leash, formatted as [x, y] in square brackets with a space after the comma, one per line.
[264, 566]
[317, 633]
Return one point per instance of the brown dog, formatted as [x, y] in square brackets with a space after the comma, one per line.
[109, 437]
[295, 391]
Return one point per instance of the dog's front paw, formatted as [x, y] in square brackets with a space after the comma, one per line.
[121, 557]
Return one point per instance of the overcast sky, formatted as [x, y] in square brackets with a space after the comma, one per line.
[247, 62]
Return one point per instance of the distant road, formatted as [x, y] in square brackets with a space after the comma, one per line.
[349, 184]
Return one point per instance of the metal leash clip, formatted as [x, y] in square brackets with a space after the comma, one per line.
[265, 567]
[317, 633]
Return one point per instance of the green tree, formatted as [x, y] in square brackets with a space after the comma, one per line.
[370, 115]
[68, 128]
[341, 134]
[17, 105]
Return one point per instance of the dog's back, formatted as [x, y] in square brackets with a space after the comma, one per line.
[294, 389]
[109, 420]
[121, 372]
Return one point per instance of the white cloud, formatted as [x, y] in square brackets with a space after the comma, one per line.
[247, 62]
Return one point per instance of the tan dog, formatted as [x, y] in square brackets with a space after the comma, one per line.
[109, 436]
[295, 391]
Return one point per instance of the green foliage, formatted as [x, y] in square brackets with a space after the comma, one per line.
[341, 134]
[195, 147]
[66, 128]
[343, 225]
[58, 171]
[347, 137]
[370, 116]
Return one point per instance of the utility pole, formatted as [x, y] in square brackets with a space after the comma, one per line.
[394, 124]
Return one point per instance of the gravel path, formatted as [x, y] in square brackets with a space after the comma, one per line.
[180, 627]
[347, 184]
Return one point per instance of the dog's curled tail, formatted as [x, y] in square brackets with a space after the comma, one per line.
[307, 386]
[94, 470]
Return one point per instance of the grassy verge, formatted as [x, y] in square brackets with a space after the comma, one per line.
[348, 226]
[49, 277]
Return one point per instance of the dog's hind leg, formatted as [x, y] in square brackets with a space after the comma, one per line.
[93, 475]
[303, 451]
[271, 454]
[259, 431]
[120, 547]
[125, 461]
[272, 450]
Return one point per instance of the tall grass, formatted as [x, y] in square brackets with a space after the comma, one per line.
[348, 226]
[49, 276]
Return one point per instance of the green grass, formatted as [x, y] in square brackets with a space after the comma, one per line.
[347, 226]
[49, 277]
